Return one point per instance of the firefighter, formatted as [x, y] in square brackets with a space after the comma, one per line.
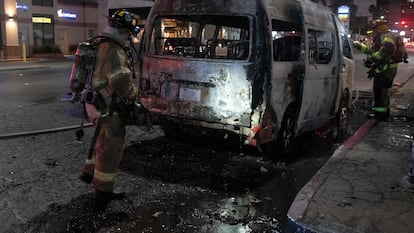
[112, 81]
[382, 66]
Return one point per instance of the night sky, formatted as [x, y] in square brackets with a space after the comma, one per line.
[363, 6]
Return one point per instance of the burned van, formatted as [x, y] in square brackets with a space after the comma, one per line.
[266, 70]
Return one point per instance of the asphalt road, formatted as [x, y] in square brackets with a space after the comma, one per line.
[43, 83]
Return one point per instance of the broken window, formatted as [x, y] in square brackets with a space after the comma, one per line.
[343, 36]
[287, 41]
[216, 37]
[320, 46]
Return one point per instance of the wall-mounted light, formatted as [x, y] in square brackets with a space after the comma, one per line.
[12, 17]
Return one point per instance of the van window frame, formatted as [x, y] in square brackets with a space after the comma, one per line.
[346, 48]
[320, 50]
[216, 46]
[287, 41]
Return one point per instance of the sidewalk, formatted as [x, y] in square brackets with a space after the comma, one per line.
[32, 63]
[360, 188]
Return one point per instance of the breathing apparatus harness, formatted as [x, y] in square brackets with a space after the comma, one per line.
[129, 111]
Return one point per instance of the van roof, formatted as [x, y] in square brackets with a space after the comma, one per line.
[195, 7]
[290, 10]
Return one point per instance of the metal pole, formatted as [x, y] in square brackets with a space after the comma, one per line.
[24, 48]
[24, 52]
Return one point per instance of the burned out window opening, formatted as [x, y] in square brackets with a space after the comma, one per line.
[287, 41]
[225, 37]
[344, 41]
[346, 47]
[320, 46]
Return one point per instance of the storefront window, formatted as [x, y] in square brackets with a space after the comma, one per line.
[42, 2]
[43, 33]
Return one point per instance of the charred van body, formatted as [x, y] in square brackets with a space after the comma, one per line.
[267, 70]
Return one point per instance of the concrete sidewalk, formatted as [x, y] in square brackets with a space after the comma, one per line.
[360, 188]
[33, 63]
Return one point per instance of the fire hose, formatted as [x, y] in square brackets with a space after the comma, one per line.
[42, 131]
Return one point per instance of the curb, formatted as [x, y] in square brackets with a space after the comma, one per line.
[304, 196]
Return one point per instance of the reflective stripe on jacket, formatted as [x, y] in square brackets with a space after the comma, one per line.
[382, 51]
[112, 72]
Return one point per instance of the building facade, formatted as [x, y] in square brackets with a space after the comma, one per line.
[55, 25]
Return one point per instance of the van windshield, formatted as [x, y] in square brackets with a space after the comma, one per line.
[207, 36]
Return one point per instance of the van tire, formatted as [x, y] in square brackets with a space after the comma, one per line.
[285, 142]
[341, 120]
[286, 139]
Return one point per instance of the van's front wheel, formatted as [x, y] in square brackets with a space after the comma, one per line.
[343, 120]
[340, 124]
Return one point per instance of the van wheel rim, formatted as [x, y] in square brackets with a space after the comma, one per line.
[287, 135]
[343, 120]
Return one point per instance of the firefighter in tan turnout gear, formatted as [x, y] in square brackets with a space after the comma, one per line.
[383, 66]
[112, 83]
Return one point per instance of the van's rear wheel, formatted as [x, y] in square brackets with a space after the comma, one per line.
[286, 138]
[285, 142]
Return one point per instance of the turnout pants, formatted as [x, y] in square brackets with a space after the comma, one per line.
[382, 83]
[107, 155]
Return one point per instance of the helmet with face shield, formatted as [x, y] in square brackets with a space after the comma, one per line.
[125, 19]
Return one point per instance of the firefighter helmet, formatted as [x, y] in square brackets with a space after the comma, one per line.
[378, 22]
[125, 19]
[379, 26]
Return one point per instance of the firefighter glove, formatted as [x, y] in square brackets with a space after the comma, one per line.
[369, 63]
[357, 45]
[133, 113]
[371, 74]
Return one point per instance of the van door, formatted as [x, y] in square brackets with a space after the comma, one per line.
[320, 85]
[287, 64]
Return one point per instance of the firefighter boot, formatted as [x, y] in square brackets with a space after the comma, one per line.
[371, 113]
[85, 178]
[87, 171]
[102, 199]
[383, 116]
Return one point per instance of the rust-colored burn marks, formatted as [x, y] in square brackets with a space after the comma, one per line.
[204, 91]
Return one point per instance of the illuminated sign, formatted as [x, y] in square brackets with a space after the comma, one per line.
[343, 10]
[343, 17]
[22, 7]
[343, 13]
[41, 20]
[67, 15]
